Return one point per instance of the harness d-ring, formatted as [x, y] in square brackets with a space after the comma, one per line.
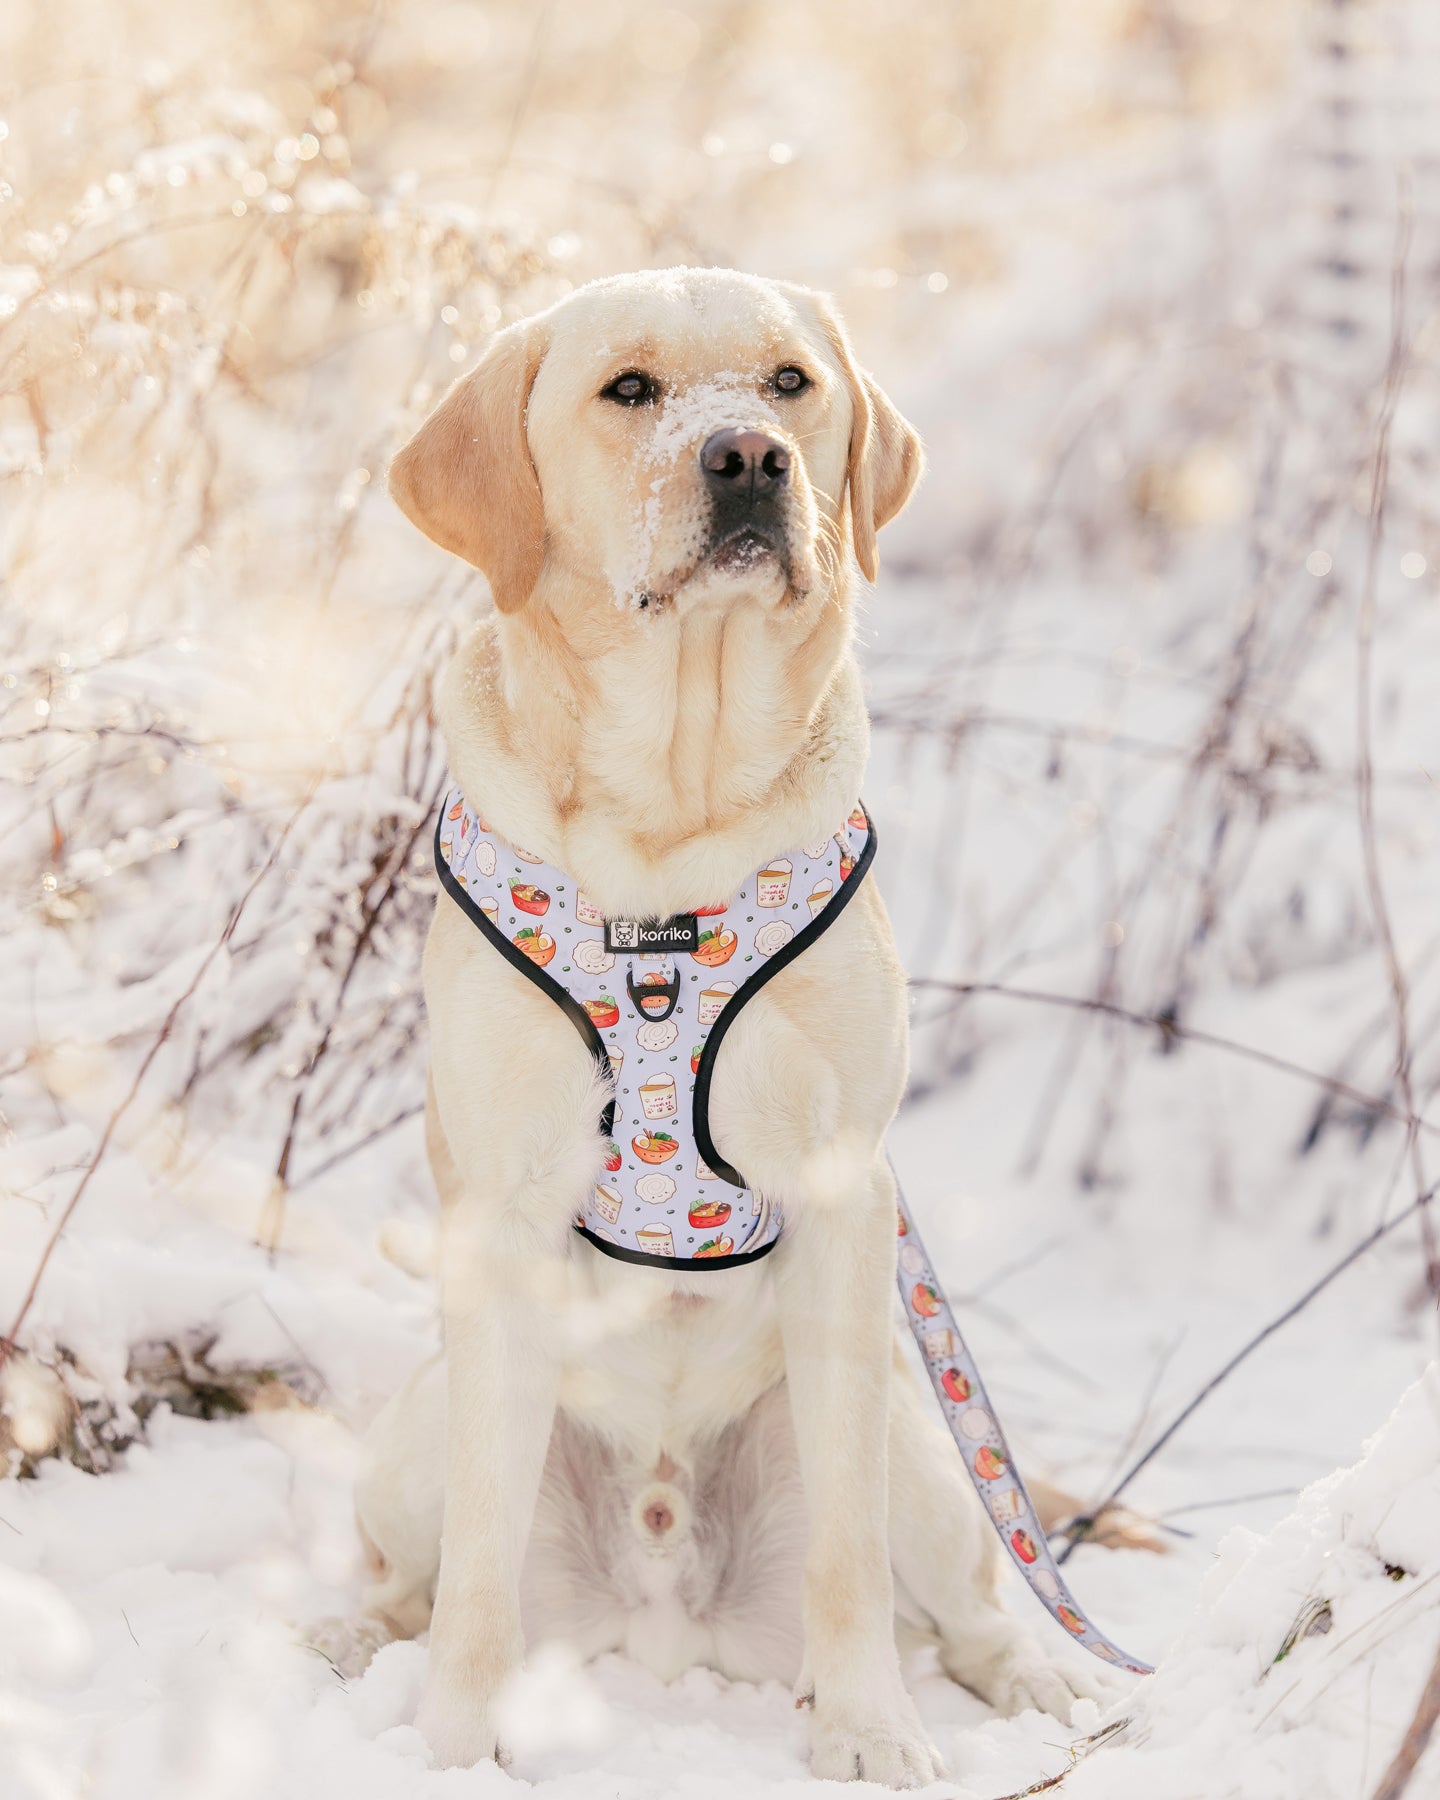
[650, 991]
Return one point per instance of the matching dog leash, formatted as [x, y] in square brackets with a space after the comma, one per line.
[986, 1455]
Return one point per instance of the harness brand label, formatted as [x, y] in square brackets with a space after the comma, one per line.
[656, 937]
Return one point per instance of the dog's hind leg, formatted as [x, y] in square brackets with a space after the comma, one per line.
[948, 1566]
[399, 1505]
[400, 1502]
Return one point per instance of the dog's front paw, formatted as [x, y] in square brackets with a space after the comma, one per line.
[458, 1730]
[887, 1745]
[1021, 1676]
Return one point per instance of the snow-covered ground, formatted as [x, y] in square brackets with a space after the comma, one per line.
[1113, 664]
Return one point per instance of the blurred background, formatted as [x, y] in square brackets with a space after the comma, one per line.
[1152, 663]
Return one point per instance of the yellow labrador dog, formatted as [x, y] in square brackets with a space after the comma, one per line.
[669, 479]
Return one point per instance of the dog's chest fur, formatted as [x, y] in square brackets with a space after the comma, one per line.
[668, 1361]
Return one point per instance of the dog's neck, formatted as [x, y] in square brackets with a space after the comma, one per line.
[659, 759]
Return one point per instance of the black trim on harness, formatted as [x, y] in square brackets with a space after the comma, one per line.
[802, 940]
[645, 1260]
[517, 959]
[700, 1108]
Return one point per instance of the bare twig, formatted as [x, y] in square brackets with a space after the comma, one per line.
[273, 1219]
[1079, 1528]
[1171, 1031]
[1396, 1778]
[1364, 777]
[10, 1342]
[361, 1143]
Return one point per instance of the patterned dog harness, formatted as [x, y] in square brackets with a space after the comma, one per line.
[652, 1000]
[669, 1196]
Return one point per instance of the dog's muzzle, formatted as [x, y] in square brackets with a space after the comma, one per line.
[747, 475]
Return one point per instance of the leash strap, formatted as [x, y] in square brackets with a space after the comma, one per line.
[977, 1434]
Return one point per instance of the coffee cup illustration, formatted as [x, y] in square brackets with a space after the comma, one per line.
[607, 1202]
[712, 1001]
[657, 1096]
[819, 895]
[772, 885]
[703, 1171]
[655, 1240]
[490, 909]
[617, 1059]
[587, 912]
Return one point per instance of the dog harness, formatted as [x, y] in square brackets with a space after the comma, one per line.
[652, 999]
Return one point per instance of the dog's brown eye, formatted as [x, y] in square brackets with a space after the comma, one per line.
[790, 380]
[631, 389]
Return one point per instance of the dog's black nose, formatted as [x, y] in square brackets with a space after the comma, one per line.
[734, 459]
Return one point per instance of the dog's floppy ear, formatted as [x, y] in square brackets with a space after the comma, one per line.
[886, 458]
[466, 477]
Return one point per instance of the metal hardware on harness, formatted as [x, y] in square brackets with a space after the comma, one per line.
[977, 1434]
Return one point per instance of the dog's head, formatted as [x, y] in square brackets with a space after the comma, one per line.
[675, 437]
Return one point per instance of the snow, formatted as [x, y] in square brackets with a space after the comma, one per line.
[1112, 665]
[1324, 1623]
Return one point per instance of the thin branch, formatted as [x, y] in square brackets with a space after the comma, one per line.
[1079, 1528]
[363, 1143]
[10, 1342]
[1364, 775]
[1171, 1031]
[1396, 1778]
[273, 1217]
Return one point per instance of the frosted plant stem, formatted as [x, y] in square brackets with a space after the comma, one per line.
[1172, 1031]
[1080, 1527]
[1396, 1778]
[9, 1342]
[1364, 773]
